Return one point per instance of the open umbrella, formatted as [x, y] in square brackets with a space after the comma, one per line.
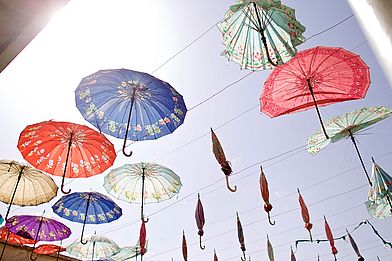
[199, 215]
[215, 256]
[328, 232]
[127, 253]
[24, 185]
[292, 256]
[305, 215]
[270, 250]
[260, 34]
[379, 204]
[47, 249]
[66, 149]
[14, 238]
[184, 247]
[345, 126]
[87, 208]
[131, 105]
[221, 158]
[355, 247]
[142, 183]
[241, 239]
[39, 228]
[315, 77]
[97, 247]
[265, 194]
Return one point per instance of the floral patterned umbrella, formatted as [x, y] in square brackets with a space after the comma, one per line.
[260, 34]
[66, 149]
[47, 249]
[87, 208]
[14, 238]
[265, 195]
[127, 253]
[200, 221]
[131, 105]
[379, 204]
[142, 183]
[305, 215]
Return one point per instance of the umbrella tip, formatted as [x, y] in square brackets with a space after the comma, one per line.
[261, 168]
[373, 160]
[298, 190]
[211, 129]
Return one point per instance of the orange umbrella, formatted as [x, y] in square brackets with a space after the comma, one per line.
[200, 221]
[330, 238]
[265, 195]
[215, 256]
[241, 237]
[221, 158]
[305, 215]
[184, 247]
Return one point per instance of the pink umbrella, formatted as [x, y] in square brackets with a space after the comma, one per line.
[200, 221]
[305, 214]
[328, 232]
[265, 195]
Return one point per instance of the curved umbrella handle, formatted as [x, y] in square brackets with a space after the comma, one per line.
[269, 220]
[124, 146]
[144, 220]
[62, 186]
[201, 247]
[228, 185]
[243, 258]
[33, 258]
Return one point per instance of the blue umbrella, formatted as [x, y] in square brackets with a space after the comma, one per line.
[87, 208]
[131, 105]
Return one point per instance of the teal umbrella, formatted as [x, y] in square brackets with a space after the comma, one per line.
[379, 204]
[260, 34]
[127, 253]
[345, 126]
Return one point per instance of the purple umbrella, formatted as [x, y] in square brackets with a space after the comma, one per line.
[39, 227]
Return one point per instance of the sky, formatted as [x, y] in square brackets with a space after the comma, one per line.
[90, 35]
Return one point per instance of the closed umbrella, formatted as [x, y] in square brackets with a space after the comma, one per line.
[270, 250]
[241, 239]
[292, 257]
[331, 240]
[305, 215]
[184, 247]
[265, 195]
[142, 240]
[355, 247]
[199, 215]
[215, 256]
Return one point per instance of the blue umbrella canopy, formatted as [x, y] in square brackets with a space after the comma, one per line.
[87, 208]
[131, 105]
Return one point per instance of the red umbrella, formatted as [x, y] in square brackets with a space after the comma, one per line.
[355, 247]
[330, 238]
[199, 215]
[292, 255]
[305, 215]
[241, 239]
[47, 249]
[265, 195]
[66, 149]
[142, 239]
[184, 247]
[20, 238]
[215, 256]
[315, 77]
[221, 158]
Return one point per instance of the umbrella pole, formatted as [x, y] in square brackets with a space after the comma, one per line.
[58, 252]
[142, 207]
[66, 163]
[84, 221]
[128, 123]
[36, 237]
[317, 108]
[92, 257]
[5, 244]
[359, 155]
[13, 195]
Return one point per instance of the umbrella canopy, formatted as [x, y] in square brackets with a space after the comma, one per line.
[355, 247]
[131, 105]
[265, 194]
[142, 183]
[379, 204]
[24, 185]
[260, 34]
[315, 77]
[66, 149]
[241, 239]
[14, 238]
[200, 221]
[270, 250]
[47, 249]
[127, 253]
[221, 158]
[331, 240]
[96, 248]
[184, 247]
[87, 208]
[305, 215]
[345, 126]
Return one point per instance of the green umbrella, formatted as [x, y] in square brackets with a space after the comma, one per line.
[260, 34]
[379, 202]
[126, 253]
[345, 126]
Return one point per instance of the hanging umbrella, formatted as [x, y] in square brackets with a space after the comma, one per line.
[260, 34]
[221, 158]
[47, 249]
[131, 105]
[142, 240]
[127, 253]
[265, 194]
[241, 239]
[328, 232]
[184, 247]
[270, 250]
[66, 149]
[14, 238]
[155, 182]
[355, 247]
[292, 257]
[39, 228]
[379, 203]
[87, 208]
[305, 215]
[315, 77]
[345, 126]
[97, 247]
[24, 185]
[199, 215]
[215, 256]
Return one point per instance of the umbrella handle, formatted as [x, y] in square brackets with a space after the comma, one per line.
[85, 219]
[310, 236]
[228, 185]
[123, 149]
[243, 258]
[33, 258]
[272, 223]
[145, 220]
[128, 123]
[201, 247]
[66, 163]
